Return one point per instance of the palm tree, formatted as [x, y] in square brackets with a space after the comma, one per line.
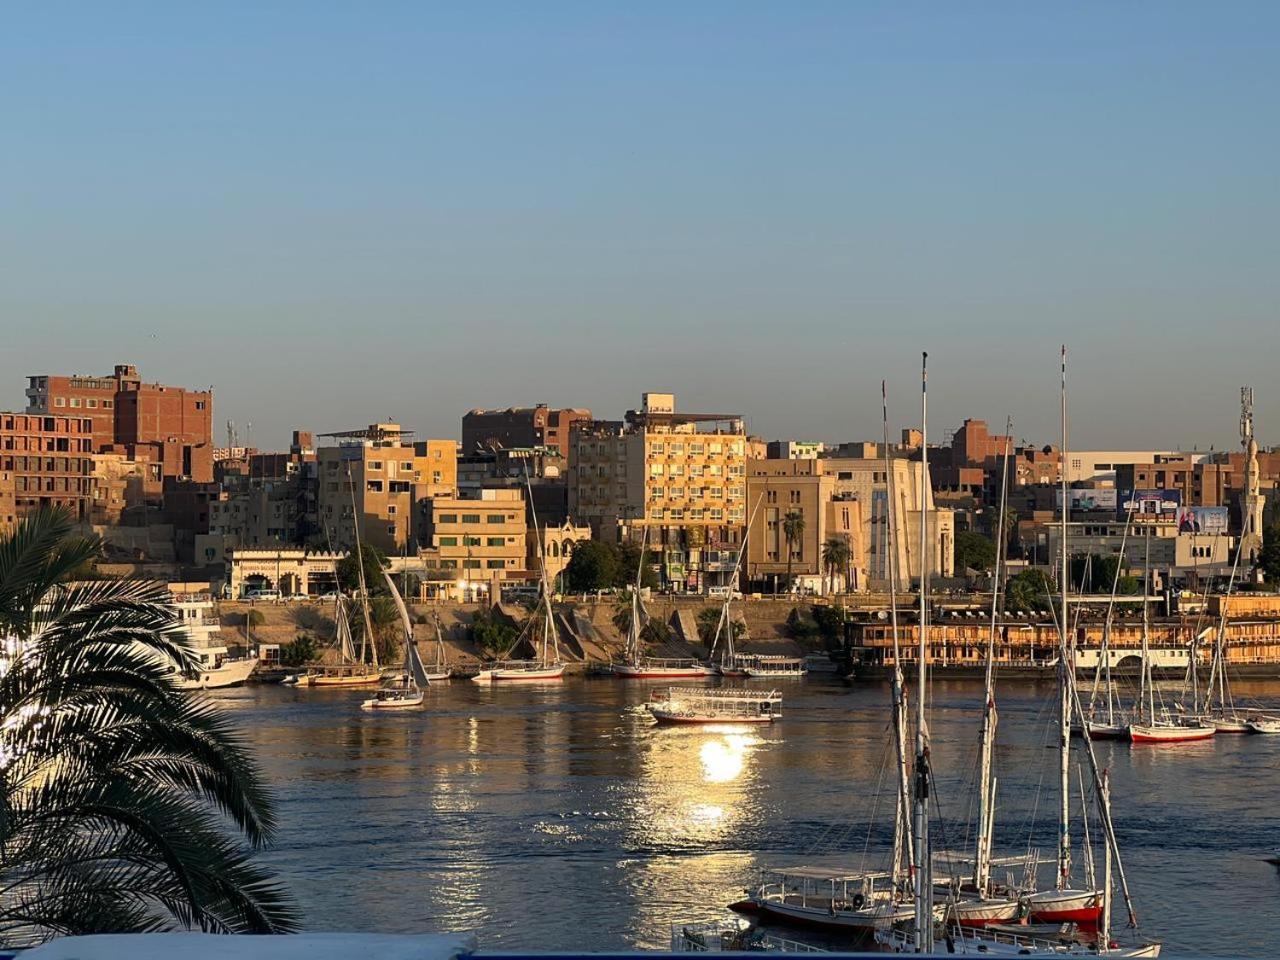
[792, 530]
[117, 786]
[835, 557]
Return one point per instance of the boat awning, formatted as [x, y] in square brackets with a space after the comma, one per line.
[835, 873]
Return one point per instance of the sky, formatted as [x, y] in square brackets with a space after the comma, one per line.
[336, 213]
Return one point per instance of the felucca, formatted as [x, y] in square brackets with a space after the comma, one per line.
[635, 665]
[405, 691]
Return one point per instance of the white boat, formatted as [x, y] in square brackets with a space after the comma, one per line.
[1171, 731]
[828, 898]
[218, 670]
[770, 666]
[735, 935]
[508, 671]
[406, 690]
[700, 705]
[1264, 725]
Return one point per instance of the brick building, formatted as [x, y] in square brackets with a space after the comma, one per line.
[171, 426]
[520, 427]
[50, 460]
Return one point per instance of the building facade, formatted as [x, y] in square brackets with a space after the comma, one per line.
[50, 460]
[676, 481]
[520, 427]
[484, 537]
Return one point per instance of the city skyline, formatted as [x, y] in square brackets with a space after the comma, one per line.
[333, 218]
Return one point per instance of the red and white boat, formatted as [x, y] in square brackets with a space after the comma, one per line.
[979, 913]
[656, 668]
[1171, 732]
[697, 705]
[1065, 906]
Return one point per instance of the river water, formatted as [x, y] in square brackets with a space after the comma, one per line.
[558, 817]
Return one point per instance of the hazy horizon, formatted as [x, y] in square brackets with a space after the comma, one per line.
[346, 214]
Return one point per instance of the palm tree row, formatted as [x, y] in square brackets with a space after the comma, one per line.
[118, 788]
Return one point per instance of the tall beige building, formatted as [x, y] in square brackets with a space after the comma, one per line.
[679, 478]
[865, 482]
[380, 477]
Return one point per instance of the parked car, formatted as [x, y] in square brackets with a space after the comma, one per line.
[261, 595]
[722, 592]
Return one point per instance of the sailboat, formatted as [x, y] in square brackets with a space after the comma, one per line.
[1150, 725]
[406, 690]
[547, 665]
[856, 901]
[635, 665]
[439, 669]
[1104, 720]
[979, 902]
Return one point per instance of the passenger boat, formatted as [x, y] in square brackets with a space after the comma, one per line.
[827, 898]
[699, 705]
[406, 690]
[771, 666]
[215, 668]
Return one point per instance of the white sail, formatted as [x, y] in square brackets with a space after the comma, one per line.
[412, 661]
[346, 648]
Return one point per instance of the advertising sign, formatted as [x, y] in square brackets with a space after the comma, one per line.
[1090, 500]
[1207, 520]
[1150, 503]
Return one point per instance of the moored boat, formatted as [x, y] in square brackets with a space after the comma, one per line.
[1264, 725]
[1166, 732]
[661, 668]
[696, 705]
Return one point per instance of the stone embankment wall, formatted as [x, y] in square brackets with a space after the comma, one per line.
[594, 637]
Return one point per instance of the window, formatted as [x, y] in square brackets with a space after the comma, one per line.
[92, 403]
[493, 518]
[75, 401]
[447, 518]
[59, 401]
[199, 404]
[655, 469]
[448, 564]
[716, 513]
[391, 529]
[495, 564]
[374, 486]
[446, 541]
[391, 510]
[435, 476]
[677, 513]
[677, 449]
[656, 513]
[657, 493]
[677, 493]
[375, 465]
[471, 518]
[496, 541]
[471, 564]
[108, 404]
[471, 541]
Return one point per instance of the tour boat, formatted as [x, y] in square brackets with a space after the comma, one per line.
[771, 666]
[827, 898]
[406, 690]
[218, 670]
[698, 705]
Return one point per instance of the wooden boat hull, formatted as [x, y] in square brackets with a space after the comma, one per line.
[1140, 733]
[677, 719]
[1108, 731]
[520, 676]
[630, 671]
[1065, 906]
[866, 921]
[357, 680]
[232, 673]
[1230, 725]
[438, 677]
[1264, 726]
[400, 703]
[981, 913]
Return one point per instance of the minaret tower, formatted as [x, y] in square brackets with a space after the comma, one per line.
[1251, 500]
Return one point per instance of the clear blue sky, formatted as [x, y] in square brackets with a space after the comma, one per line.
[340, 212]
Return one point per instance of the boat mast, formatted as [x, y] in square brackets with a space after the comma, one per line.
[902, 847]
[633, 632]
[923, 867]
[367, 637]
[1104, 654]
[982, 859]
[1147, 692]
[1066, 665]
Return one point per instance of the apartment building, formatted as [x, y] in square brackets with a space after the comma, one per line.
[172, 426]
[379, 476]
[675, 480]
[538, 426]
[50, 460]
[8, 506]
[484, 537]
[778, 488]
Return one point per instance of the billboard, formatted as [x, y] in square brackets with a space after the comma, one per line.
[1150, 503]
[1090, 500]
[1207, 520]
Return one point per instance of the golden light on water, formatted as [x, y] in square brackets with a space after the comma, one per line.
[724, 757]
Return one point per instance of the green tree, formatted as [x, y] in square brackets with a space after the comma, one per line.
[628, 560]
[654, 633]
[836, 555]
[593, 566]
[830, 622]
[1269, 555]
[127, 803]
[801, 626]
[974, 551]
[384, 616]
[254, 618]
[494, 636]
[375, 561]
[709, 619]
[301, 650]
[792, 531]
[1029, 590]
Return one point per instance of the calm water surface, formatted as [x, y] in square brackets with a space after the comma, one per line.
[559, 817]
